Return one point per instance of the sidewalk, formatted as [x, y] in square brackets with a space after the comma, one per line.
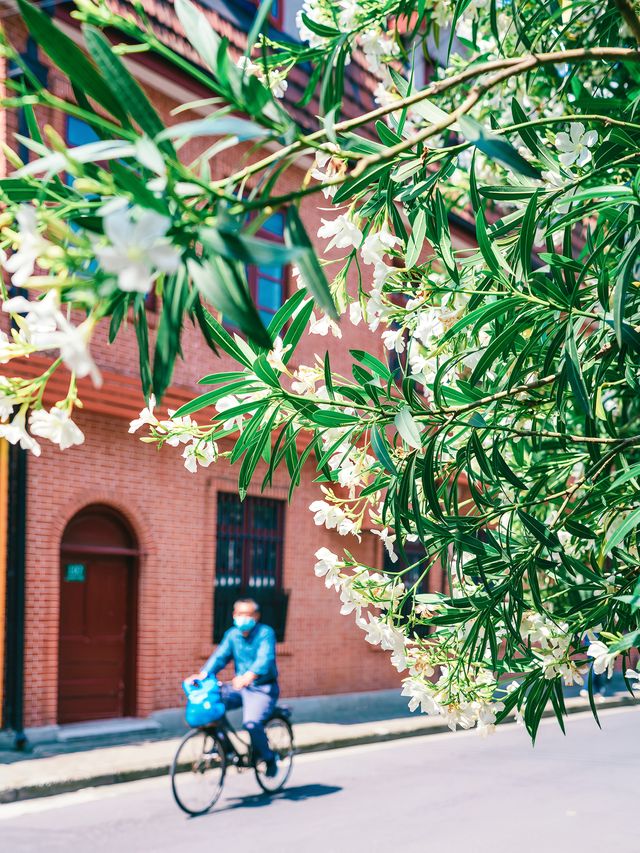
[383, 716]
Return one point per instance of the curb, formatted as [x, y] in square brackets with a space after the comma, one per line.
[379, 735]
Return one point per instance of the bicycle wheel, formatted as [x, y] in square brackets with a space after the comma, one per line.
[197, 772]
[280, 737]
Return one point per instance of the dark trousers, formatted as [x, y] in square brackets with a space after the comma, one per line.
[257, 703]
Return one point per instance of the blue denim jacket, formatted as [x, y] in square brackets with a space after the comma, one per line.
[255, 653]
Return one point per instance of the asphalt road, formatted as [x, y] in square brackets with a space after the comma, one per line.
[445, 793]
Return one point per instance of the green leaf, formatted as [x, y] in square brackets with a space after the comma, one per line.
[199, 32]
[530, 138]
[617, 535]
[248, 248]
[169, 331]
[328, 418]
[296, 330]
[312, 273]
[374, 364]
[540, 531]
[225, 125]
[285, 313]
[625, 271]
[408, 428]
[527, 235]
[574, 373]
[416, 238]
[262, 16]
[124, 86]
[320, 29]
[223, 339]
[496, 148]
[210, 397]
[223, 285]
[142, 334]
[68, 57]
[379, 447]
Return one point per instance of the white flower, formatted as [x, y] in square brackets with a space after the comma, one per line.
[376, 310]
[139, 249]
[348, 16]
[323, 325]
[394, 339]
[574, 146]
[423, 369]
[181, 428]
[57, 426]
[347, 525]
[429, 327]
[31, 246]
[146, 416]
[603, 659]
[16, 433]
[277, 84]
[325, 514]
[277, 354]
[275, 79]
[377, 244]
[381, 273]
[382, 634]
[39, 325]
[74, 351]
[305, 379]
[250, 68]
[536, 627]
[7, 399]
[632, 675]
[355, 312]
[341, 232]
[327, 167]
[7, 349]
[419, 696]
[328, 567]
[385, 591]
[399, 660]
[45, 327]
[375, 46]
[230, 402]
[199, 452]
[387, 538]
[351, 598]
[315, 11]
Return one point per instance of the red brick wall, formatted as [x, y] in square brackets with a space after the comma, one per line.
[173, 514]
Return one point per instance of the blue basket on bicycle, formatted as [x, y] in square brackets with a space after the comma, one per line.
[204, 702]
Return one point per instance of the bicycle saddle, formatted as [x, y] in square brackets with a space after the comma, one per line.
[284, 710]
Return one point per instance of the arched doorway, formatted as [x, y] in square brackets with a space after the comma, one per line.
[98, 614]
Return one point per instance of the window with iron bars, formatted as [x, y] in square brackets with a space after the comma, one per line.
[414, 552]
[249, 556]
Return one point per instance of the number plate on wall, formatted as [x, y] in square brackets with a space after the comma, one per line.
[75, 572]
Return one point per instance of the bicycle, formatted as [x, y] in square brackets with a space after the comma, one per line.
[200, 764]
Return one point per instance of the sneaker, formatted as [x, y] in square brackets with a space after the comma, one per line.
[584, 692]
[272, 768]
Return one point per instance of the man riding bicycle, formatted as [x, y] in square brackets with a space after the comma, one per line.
[255, 685]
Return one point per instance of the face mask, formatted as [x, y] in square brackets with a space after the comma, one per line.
[244, 623]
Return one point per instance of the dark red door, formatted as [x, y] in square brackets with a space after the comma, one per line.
[97, 624]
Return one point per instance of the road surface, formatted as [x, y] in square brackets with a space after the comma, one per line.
[445, 793]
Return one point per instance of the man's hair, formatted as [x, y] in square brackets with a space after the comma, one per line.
[255, 604]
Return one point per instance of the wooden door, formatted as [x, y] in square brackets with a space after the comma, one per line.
[97, 625]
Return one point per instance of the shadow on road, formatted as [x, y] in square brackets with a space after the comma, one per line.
[296, 794]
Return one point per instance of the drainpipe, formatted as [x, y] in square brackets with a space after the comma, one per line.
[16, 571]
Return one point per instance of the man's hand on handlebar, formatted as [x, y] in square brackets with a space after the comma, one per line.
[245, 680]
[198, 676]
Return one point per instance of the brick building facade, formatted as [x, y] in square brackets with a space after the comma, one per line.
[114, 500]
